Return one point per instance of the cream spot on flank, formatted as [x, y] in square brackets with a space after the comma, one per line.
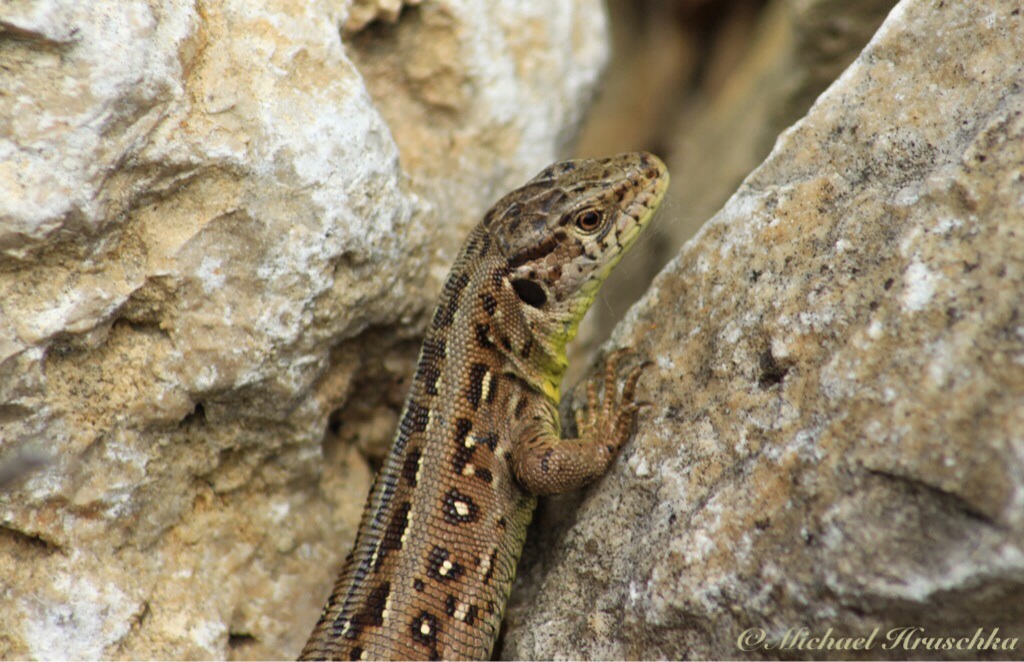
[445, 567]
[485, 386]
[468, 470]
[425, 628]
[499, 451]
[461, 508]
[460, 611]
[470, 441]
[365, 655]
[485, 565]
[408, 527]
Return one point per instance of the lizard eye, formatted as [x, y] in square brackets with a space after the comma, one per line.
[588, 220]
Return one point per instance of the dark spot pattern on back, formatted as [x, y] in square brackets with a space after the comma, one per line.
[462, 429]
[425, 629]
[411, 466]
[435, 349]
[415, 420]
[392, 539]
[483, 336]
[427, 373]
[490, 303]
[437, 568]
[372, 613]
[458, 508]
[474, 389]
[485, 245]
[461, 457]
[498, 276]
[453, 287]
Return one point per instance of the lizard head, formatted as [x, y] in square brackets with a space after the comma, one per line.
[566, 229]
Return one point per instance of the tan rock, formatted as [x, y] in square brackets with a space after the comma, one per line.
[364, 12]
[760, 82]
[836, 437]
[214, 224]
[762, 69]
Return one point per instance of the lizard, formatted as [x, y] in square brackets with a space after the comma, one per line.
[479, 437]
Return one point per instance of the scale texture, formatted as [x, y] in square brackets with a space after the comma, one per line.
[479, 438]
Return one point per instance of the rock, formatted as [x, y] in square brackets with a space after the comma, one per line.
[220, 224]
[762, 69]
[838, 391]
[364, 12]
[796, 50]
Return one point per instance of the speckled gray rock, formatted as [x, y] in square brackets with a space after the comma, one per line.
[219, 223]
[794, 50]
[837, 432]
[797, 50]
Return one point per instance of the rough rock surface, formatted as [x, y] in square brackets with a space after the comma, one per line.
[837, 432]
[214, 234]
[764, 71]
[794, 51]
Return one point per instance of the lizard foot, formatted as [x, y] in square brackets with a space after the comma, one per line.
[608, 417]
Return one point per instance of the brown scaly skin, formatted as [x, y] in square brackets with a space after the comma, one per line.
[479, 437]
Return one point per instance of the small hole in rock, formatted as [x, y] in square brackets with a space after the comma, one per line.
[197, 416]
[772, 372]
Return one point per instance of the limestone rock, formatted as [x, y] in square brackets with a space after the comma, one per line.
[772, 74]
[364, 12]
[765, 67]
[835, 439]
[214, 234]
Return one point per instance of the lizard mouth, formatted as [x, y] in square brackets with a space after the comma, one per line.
[648, 178]
[651, 182]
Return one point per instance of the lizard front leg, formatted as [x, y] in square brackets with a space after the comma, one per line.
[544, 463]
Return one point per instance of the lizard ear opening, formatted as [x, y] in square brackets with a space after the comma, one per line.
[530, 292]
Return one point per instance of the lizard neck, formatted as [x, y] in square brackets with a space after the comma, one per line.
[552, 331]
